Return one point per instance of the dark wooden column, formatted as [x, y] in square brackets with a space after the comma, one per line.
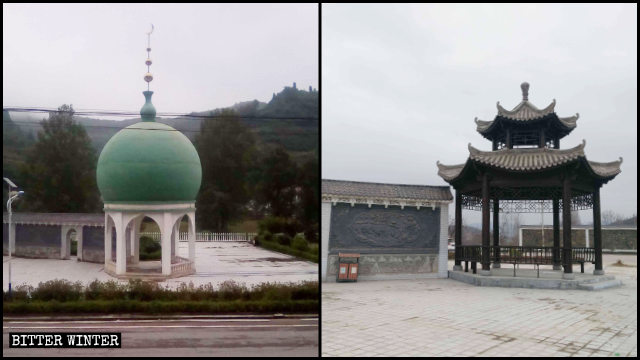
[597, 232]
[542, 138]
[458, 233]
[508, 139]
[556, 234]
[485, 223]
[566, 225]
[556, 142]
[496, 232]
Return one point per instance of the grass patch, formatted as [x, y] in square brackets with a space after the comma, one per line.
[159, 307]
[312, 254]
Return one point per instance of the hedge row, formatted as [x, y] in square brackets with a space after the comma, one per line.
[61, 290]
[159, 307]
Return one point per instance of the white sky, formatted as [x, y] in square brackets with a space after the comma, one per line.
[204, 55]
[401, 85]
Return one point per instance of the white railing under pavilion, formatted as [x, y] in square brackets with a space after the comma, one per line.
[207, 236]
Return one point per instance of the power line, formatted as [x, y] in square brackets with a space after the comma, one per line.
[166, 114]
[38, 124]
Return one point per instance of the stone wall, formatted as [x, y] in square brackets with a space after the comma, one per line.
[93, 244]
[38, 241]
[389, 266]
[380, 230]
[393, 243]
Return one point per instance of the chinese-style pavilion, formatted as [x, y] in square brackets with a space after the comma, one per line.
[526, 171]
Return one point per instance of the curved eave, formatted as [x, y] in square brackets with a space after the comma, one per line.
[450, 172]
[605, 171]
[526, 111]
[565, 124]
[526, 159]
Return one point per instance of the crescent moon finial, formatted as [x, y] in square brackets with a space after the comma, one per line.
[148, 77]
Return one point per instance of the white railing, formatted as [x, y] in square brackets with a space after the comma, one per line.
[184, 266]
[207, 236]
[110, 267]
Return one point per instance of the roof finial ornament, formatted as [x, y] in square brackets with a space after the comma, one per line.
[148, 111]
[525, 91]
[148, 77]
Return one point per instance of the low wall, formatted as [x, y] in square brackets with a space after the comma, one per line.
[389, 266]
[93, 244]
[38, 241]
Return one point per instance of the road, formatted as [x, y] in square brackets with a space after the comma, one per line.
[181, 337]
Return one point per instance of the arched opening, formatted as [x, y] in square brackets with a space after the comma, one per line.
[72, 243]
[181, 228]
[146, 246]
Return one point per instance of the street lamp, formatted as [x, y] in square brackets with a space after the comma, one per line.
[12, 196]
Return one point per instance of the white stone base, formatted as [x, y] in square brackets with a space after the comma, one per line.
[568, 276]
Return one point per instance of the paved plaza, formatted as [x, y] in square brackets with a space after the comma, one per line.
[444, 317]
[215, 262]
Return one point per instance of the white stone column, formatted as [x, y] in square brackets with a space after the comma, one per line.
[121, 249]
[192, 237]
[165, 233]
[443, 253]
[174, 239]
[107, 239]
[64, 229]
[135, 241]
[325, 221]
[79, 242]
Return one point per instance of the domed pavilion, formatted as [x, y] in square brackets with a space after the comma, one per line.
[148, 169]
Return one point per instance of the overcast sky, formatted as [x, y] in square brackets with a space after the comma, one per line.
[401, 85]
[204, 55]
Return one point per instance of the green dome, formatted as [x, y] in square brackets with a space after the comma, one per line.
[149, 162]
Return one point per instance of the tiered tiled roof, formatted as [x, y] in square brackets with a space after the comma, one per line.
[528, 160]
[385, 191]
[525, 112]
[55, 218]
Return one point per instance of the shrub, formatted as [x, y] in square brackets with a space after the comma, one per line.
[59, 290]
[150, 249]
[283, 239]
[144, 290]
[311, 233]
[18, 293]
[148, 245]
[300, 243]
[231, 290]
[109, 290]
[267, 236]
[280, 225]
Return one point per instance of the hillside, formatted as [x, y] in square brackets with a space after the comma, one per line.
[299, 136]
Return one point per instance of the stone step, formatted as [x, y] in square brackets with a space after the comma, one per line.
[599, 278]
[600, 285]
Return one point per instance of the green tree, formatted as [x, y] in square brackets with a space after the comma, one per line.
[309, 185]
[60, 171]
[227, 150]
[277, 187]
